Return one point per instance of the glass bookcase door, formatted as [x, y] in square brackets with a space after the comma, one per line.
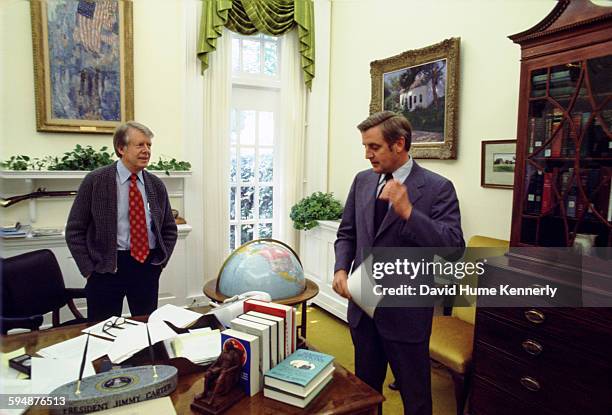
[568, 165]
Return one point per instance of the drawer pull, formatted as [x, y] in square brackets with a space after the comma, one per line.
[530, 383]
[535, 316]
[532, 347]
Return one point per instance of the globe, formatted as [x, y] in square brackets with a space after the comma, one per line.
[262, 265]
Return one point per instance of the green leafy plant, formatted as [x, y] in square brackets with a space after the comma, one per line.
[82, 158]
[19, 162]
[173, 164]
[318, 206]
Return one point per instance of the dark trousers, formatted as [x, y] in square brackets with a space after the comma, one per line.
[409, 363]
[138, 282]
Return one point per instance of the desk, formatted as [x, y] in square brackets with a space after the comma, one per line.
[312, 289]
[346, 394]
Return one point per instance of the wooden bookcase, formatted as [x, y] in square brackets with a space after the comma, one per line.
[564, 148]
[537, 358]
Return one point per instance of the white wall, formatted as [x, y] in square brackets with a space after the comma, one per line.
[159, 88]
[366, 30]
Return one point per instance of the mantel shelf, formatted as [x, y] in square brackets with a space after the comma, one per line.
[43, 242]
[31, 179]
[73, 174]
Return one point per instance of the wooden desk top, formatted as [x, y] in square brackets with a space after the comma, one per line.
[345, 394]
[312, 289]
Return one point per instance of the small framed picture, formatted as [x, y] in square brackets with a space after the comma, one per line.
[498, 158]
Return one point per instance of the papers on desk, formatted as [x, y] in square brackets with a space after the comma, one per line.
[73, 349]
[134, 339]
[48, 374]
[200, 346]
[109, 329]
[180, 317]
[361, 285]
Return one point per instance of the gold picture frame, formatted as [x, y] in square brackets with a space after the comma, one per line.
[423, 85]
[83, 64]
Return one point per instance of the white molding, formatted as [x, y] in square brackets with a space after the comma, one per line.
[193, 110]
[318, 258]
[42, 242]
[331, 225]
[317, 132]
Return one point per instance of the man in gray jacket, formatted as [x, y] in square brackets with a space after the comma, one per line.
[120, 230]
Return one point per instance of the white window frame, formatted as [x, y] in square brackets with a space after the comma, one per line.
[260, 80]
[266, 87]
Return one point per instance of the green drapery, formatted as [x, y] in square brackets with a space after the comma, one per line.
[272, 17]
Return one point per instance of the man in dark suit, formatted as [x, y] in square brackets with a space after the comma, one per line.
[120, 230]
[397, 203]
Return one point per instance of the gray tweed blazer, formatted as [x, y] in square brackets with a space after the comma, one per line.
[91, 231]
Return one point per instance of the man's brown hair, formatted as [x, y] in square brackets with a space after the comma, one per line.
[392, 125]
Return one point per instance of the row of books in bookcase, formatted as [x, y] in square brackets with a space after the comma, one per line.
[586, 194]
[560, 83]
[267, 335]
[553, 136]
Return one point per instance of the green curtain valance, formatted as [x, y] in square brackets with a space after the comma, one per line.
[271, 17]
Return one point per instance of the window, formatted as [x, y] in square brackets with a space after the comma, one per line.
[255, 57]
[254, 131]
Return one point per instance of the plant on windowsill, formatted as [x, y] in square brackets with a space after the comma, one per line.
[318, 206]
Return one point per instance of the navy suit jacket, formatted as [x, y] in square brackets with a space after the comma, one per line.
[435, 222]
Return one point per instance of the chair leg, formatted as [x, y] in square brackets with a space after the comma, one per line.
[461, 389]
[55, 318]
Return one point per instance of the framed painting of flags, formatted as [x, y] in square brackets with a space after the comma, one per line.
[83, 64]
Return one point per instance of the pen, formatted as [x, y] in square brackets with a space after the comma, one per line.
[78, 389]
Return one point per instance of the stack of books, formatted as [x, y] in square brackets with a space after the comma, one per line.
[13, 231]
[266, 334]
[299, 378]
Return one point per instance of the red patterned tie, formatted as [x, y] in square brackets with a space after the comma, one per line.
[139, 238]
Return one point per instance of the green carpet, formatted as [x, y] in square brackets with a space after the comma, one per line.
[330, 335]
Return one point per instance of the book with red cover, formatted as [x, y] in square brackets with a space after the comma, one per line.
[547, 201]
[279, 310]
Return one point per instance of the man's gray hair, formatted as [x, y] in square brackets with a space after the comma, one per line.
[122, 137]
[392, 125]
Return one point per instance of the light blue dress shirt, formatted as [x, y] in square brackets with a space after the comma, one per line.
[123, 207]
[400, 175]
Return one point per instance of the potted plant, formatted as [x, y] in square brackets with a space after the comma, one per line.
[318, 206]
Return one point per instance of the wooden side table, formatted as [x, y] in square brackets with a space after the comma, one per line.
[312, 289]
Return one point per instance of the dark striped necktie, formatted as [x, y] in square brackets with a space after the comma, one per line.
[382, 206]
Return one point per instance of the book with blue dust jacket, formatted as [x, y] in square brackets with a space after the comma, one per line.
[300, 372]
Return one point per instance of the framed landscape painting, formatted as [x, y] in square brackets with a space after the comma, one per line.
[422, 85]
[83, 64]
[498, 159]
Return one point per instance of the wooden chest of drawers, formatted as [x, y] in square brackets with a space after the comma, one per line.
[544, 360]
